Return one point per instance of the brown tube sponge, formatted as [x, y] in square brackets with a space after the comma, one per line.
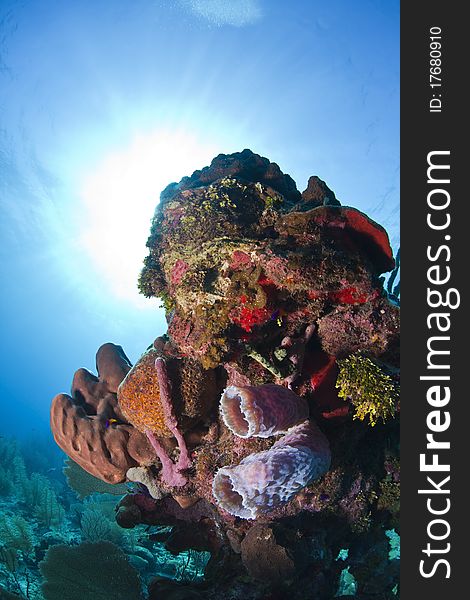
[89, 426]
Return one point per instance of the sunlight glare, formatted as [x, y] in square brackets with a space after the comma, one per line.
[120, 197]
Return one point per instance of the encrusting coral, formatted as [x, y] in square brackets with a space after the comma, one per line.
[237, 423]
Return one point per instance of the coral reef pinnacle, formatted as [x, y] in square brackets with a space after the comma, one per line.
[266, 419]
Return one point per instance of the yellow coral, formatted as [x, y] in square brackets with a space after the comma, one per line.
[373, 392]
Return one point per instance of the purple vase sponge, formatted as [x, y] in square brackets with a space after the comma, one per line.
[264, 480]
[261, 411]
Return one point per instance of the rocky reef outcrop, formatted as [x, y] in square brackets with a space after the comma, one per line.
[263, 426]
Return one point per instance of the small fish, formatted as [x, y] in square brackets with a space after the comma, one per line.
[278, 315]
[109, 422]
[51, 470]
